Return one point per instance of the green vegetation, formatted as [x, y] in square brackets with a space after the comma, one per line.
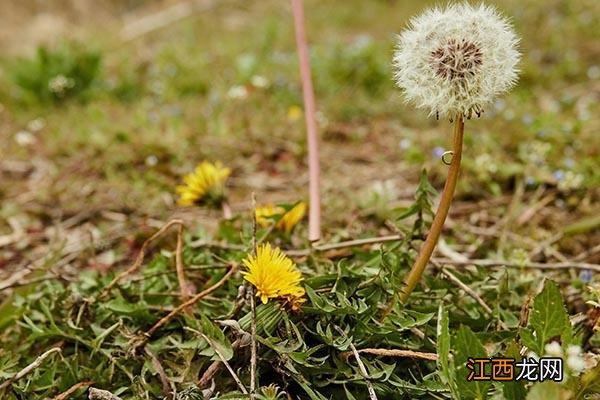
[89, 173]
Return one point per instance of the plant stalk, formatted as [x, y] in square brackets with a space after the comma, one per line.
[440, 216]
[314, 213]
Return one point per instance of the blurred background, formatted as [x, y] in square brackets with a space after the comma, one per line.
[105, 104]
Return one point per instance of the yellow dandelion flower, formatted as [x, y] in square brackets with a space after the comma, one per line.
[294, 113]
[273, 274]
[289, 219]
[207, 179]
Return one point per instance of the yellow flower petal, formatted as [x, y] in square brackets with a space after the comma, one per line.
[273, 274]
[205, 178]
[287, 221]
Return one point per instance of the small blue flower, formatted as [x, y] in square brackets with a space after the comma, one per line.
[405, 143]
[559, 174]
[530, 181]
[438, 152]
[586, 275]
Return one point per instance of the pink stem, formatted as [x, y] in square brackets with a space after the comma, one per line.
[314, 215]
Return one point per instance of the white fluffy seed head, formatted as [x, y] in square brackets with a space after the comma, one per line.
[455, 61]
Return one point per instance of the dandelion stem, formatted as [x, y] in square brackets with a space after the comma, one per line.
[440, 216]
[314, 216]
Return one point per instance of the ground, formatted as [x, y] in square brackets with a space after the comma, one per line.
[87, 176]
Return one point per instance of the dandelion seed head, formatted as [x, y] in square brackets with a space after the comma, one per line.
[455, 61]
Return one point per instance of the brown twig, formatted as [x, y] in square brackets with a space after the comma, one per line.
[31, 367]
[393, 353]
[141, 255]
[361, 366]
[209, 374]
[343, 245]
[587, 254]
[467, 290]
[183, 286]
[191, 301]
[303, 252]
[213, 368]
[512, 264]
[149, 23]
[164, 381]
[65, 395]
[223, 359]
[217, 245]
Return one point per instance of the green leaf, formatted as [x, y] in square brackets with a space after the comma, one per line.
[349, 395]
[312, 394]
[590, 382]
[469, 346]
[408, 319]
[513, 389]
[549, 317]
[217, 340]
[443, 344]
[528, 339]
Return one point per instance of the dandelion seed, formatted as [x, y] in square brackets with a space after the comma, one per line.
[206, 182]
[273, 274]
[455, 61]
[289, 219]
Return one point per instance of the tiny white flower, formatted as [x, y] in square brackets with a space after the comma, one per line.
[36, 124]
[574, 350]
[237, 92]
[24, 138]
[553, 349]
[576, 364]
[405, 143]
[151, 160]
[259, 81]
[455, 61]
[533, 355]
[60, 84]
